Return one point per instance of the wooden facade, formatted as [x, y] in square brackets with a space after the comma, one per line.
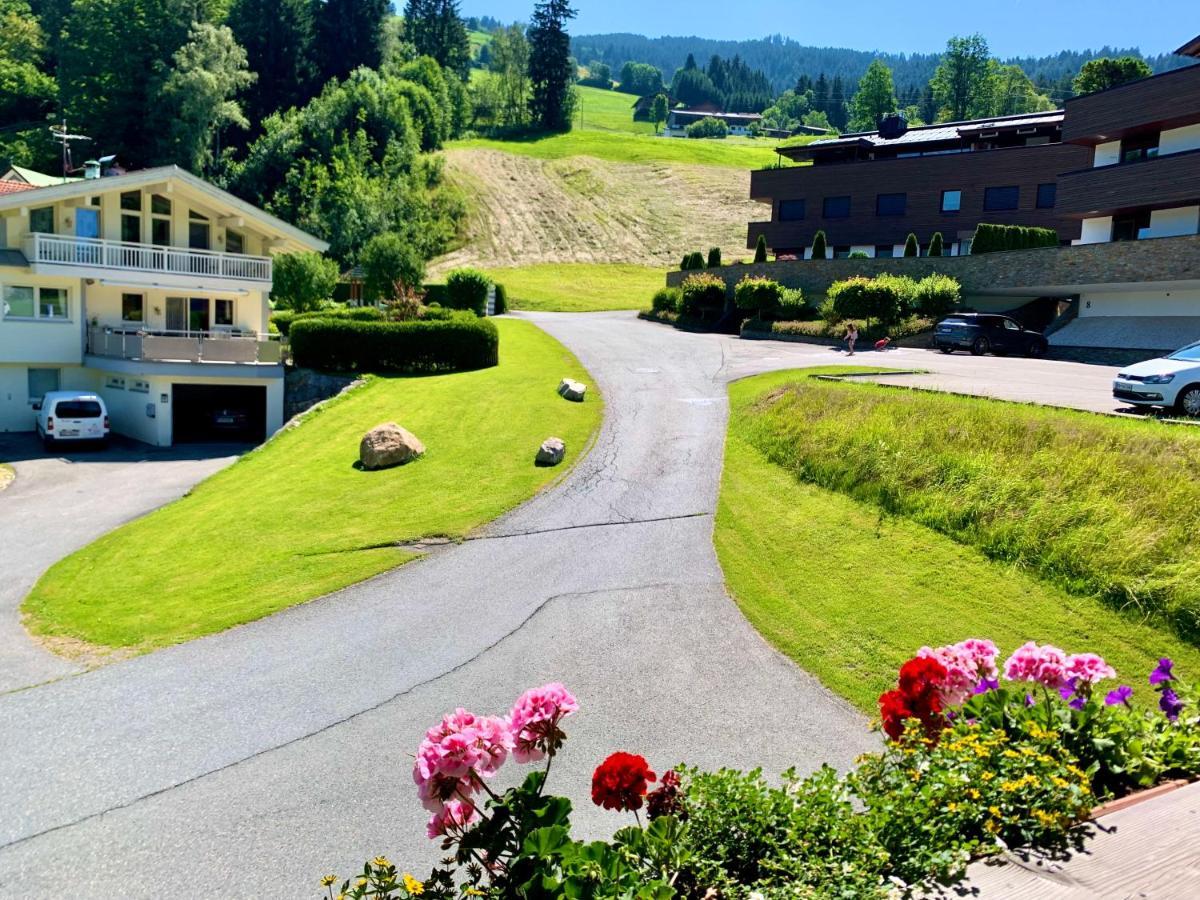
[1156, 103]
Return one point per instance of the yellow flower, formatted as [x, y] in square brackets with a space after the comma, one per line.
[474, 892]
[328, 880]
[995, 811]
[1011, 754]
[1060, 782]
[986, 776]
[951, 807]
[362, 882]
[991, 826]
[381, 862]
[973, 794]
[414, 887]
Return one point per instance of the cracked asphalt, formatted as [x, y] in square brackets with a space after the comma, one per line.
[250, 763]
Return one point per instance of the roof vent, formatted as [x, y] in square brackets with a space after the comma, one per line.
[91, 169]
[893, 126]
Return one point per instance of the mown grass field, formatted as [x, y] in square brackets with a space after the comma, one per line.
[841, 576]
[579, 287]
[296, 519]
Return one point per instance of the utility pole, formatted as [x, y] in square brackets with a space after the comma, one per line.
[63, 137]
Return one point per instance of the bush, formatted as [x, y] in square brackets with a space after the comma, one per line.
[792, 306]
[760, 296]
[467, 289]
[819, 250]
[392, 267]
[666, 300]
[284, 320]
[846, 298]
[714, 257]
[859, 254]
[702, 296]
[886, 298]
[997, 238]
[692, 262]
[935, 295]
[911, 247]
[935, 244]
[760, 249]
[708, 127]
[302, 281]
[435, 294]
[501, 299]
[456, 344]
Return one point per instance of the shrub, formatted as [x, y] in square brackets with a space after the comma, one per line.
[847, 298]
[935, 244]
[714, 257]
[911, 247]
[467, 289]
[886, 298]
[819, 250]
[935, 295]
[996, 238]
[302, 281]
[283, 321]
[435, 294]
[708, 127]
[792, 306]
[666, 300]
[460, 343]
[501, 299]
[692, 261]
[392, 266]
[760, 296]
[760, 249]
[858, 254]
[702, 296]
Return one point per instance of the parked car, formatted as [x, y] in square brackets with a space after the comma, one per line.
[229, 419]
[1168, 381]
[987, 333]
[71, 416]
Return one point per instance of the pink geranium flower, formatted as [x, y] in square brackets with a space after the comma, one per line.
[456, 753]
[1089, 668]
[535, 718]
[1044, 664]
[456, 815]
[967, 663]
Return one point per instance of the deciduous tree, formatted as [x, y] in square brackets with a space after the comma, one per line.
[961, 79]
[874, 99]
[1104, 72]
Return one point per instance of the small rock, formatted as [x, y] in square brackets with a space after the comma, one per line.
[551, 452]
[388, 445]
[572, 390]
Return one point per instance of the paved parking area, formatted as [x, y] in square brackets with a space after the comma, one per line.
[64, 499]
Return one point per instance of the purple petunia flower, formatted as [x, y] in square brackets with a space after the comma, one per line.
[1120, 695]
[987, 684]
[1170, 704]
[1029, 701]
[1163, 672]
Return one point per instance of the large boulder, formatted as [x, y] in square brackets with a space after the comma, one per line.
[388, 445]
[572, 390]
[551, 452]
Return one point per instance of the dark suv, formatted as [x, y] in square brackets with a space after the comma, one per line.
[987, 333]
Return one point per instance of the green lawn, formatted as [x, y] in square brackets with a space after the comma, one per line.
[603, 110]
[850, 593]
[296, 519]
[579, 287]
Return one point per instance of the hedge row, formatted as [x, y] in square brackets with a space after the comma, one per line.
[993, 238]
[284, 318]
[455, 344]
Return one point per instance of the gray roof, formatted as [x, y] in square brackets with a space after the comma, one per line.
[13, 258]
[948, 131]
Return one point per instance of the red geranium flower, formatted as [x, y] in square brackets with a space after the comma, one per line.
[916, 697]
[620, 782]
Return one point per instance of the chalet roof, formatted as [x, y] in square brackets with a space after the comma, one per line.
[15, 187]
[21, 174]
[704, 114]
[1191, 48]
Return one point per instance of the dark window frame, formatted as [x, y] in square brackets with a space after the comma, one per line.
[38, 213]
[127, 306]
[1051, 188]
[828, 212]
[889, 200]
[787, 209]
[956, 209]
[991, 205]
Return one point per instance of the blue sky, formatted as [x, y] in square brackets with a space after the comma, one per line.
[1012, 27]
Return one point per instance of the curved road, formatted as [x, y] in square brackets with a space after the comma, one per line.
[249, 763]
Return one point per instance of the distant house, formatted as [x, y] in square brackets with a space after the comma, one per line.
[739, 123]
[643, 106]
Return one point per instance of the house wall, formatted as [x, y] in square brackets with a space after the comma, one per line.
[1141, 303]
[250, 309]
[55, 341]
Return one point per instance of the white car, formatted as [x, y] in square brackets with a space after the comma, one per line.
[71, 416]
[1169, 381]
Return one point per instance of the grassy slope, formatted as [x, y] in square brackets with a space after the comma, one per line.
[849, 595]
[579, 287]
[295, 519]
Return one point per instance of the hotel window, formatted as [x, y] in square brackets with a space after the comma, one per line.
[884, 251]
[41, 220]
[890, 204]
[1139, 147]
[133, 308]
[234, 242]
[1046, 195]
[836, 207]
[24, 302]
[999, 198]
[951, 201]
[791, 210]
[224, 312]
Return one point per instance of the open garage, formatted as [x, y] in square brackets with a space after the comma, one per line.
[218, 412]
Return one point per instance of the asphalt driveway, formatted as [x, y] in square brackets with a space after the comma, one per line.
[65, 499]
[249, 763]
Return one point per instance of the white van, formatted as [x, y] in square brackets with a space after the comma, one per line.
[71, 416]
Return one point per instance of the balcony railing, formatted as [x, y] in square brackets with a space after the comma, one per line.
[100, 254]
[184, 346]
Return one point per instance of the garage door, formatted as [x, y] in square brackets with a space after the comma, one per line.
[218, 412]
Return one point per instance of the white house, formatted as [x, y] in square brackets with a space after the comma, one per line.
[150, 288]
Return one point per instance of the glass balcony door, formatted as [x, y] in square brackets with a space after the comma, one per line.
[188, 315]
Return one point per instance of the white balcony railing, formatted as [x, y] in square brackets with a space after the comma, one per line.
[101, 254]
[184, 346]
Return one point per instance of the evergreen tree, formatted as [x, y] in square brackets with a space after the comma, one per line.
[349, 34]
[935, 244]
[874, 99]
[550, 72]
[837, 105]
[819, 249]
[714, 257]
[911, 247]
[760, 249]
[927, 106]
[435, 29]
[278, 40]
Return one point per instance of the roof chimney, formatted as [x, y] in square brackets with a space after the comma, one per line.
[91, 170]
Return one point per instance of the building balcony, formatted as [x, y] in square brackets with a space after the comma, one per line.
[183, 347]
[1160, 182]
[1164, 101]
[53, 251]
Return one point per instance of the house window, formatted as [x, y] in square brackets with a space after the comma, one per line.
[999, 198]
[1139, 147]
[836, 207]
[883, 251]
[791, 210]
[131, 201]
[40, 382]
[890, 204]
[1046, 195]
[160, 232]
[140, 387]
[116, 382]
[133, 308]
[23, 302]
[1129, 227]
[198, 233]
[52, 303]
[160, 205]
[224, 312]
[951, 201]
[41, 220]
[234, 242]
[131, 228]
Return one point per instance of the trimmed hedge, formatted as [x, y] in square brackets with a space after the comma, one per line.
[666, 300]
[467, 289]
[285, 318]
[757, 295]
[501, 299]
[702, 296]
[995, 238]
[459, 343]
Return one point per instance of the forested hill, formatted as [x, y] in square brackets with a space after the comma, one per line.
[784, 59]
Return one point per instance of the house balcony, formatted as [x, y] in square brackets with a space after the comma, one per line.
[184, 346]
[174, 263]
[1160, 182]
